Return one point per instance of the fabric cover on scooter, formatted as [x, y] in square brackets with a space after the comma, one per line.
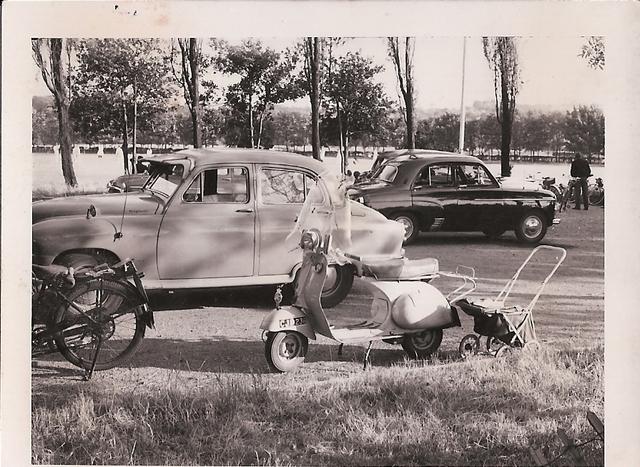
[400, 268]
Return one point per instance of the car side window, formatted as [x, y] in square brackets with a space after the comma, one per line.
[435, 176]
[219, 185]
[473, 175]
[281, 186]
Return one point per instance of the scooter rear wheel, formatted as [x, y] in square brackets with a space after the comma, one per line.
[285, 350]
[421, 345]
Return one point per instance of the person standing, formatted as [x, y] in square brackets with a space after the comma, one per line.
[582, 171]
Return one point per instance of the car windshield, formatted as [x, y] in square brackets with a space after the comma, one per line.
[164, 178]
[386, 173]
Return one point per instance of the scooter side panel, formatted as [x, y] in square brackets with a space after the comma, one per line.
[288, 319]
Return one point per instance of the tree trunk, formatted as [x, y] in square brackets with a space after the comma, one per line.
[64, 137]
[57, 86]
[505, 143]
[125, 142]
[134, 157]
[251, 120]
[343, 149]
[196, 113]
[315, 98]
[408, 98]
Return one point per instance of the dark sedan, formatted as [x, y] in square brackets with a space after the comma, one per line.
[437, 191]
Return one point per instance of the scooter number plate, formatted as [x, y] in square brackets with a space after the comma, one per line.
[292, 321]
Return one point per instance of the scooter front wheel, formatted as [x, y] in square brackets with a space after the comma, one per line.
[422, 344]
[285, 350]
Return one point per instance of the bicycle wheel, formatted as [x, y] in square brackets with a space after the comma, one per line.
[596, 196]
[113, 314]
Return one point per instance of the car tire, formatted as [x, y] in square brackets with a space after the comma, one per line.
[78, 260]
[411, 225]
[340, 288]
[531, 227]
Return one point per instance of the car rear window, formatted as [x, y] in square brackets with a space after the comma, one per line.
[284, 186]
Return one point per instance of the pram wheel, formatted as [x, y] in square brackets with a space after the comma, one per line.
[504, 350]
[469, 345]
[493, 344]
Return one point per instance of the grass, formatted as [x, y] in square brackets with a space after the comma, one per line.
[484, 411]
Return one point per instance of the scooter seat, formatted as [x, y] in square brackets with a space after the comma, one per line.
[400, 268]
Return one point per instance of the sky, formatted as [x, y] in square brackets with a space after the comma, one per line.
[553, 74]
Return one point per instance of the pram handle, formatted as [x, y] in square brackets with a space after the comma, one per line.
[502, 296]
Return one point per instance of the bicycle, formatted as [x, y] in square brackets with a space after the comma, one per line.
[95, 317]
[596, 193]
[568, 194]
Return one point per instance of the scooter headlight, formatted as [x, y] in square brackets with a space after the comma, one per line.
[310, 239]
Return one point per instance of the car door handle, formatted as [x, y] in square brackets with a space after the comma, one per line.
[244, 210]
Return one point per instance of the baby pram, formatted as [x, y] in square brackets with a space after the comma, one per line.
[505, 326]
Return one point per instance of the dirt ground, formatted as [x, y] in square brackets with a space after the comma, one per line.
[202, 336]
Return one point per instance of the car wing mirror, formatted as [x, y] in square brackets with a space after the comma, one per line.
[91, 212]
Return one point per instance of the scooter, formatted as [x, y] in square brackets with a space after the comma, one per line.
[406, 308]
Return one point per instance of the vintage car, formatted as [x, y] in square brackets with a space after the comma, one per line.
[433, 190]
[207, 219]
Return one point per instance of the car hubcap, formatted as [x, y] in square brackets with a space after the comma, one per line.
[290, 346]
[532, 226]
[332, 279]
[408, 226]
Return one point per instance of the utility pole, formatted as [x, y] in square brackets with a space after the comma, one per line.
[462, 106]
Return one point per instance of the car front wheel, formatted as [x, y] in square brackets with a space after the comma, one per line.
[531, 228]
[410, 223]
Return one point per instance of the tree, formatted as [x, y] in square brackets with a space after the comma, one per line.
[192, 62]
[584, 130]
[48, 55]
[353, 100]
[439, 133]
[119, 81]
[44, 121]
[593, 52]
[502, 55]
[264, 81]
[312, 47]
[404, 72]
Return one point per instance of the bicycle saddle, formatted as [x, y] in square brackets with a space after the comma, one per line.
[400, 268]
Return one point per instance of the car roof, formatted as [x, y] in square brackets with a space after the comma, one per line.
[427, 155]
[206, 156]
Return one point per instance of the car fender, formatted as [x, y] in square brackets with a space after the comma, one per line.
[54, 236]
[288, 318]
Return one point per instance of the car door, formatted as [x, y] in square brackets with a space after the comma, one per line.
[208, 231]
[434, 194]
[479, 201]
[281, 194]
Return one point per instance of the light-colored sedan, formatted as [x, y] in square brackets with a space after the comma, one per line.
[206, 219]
